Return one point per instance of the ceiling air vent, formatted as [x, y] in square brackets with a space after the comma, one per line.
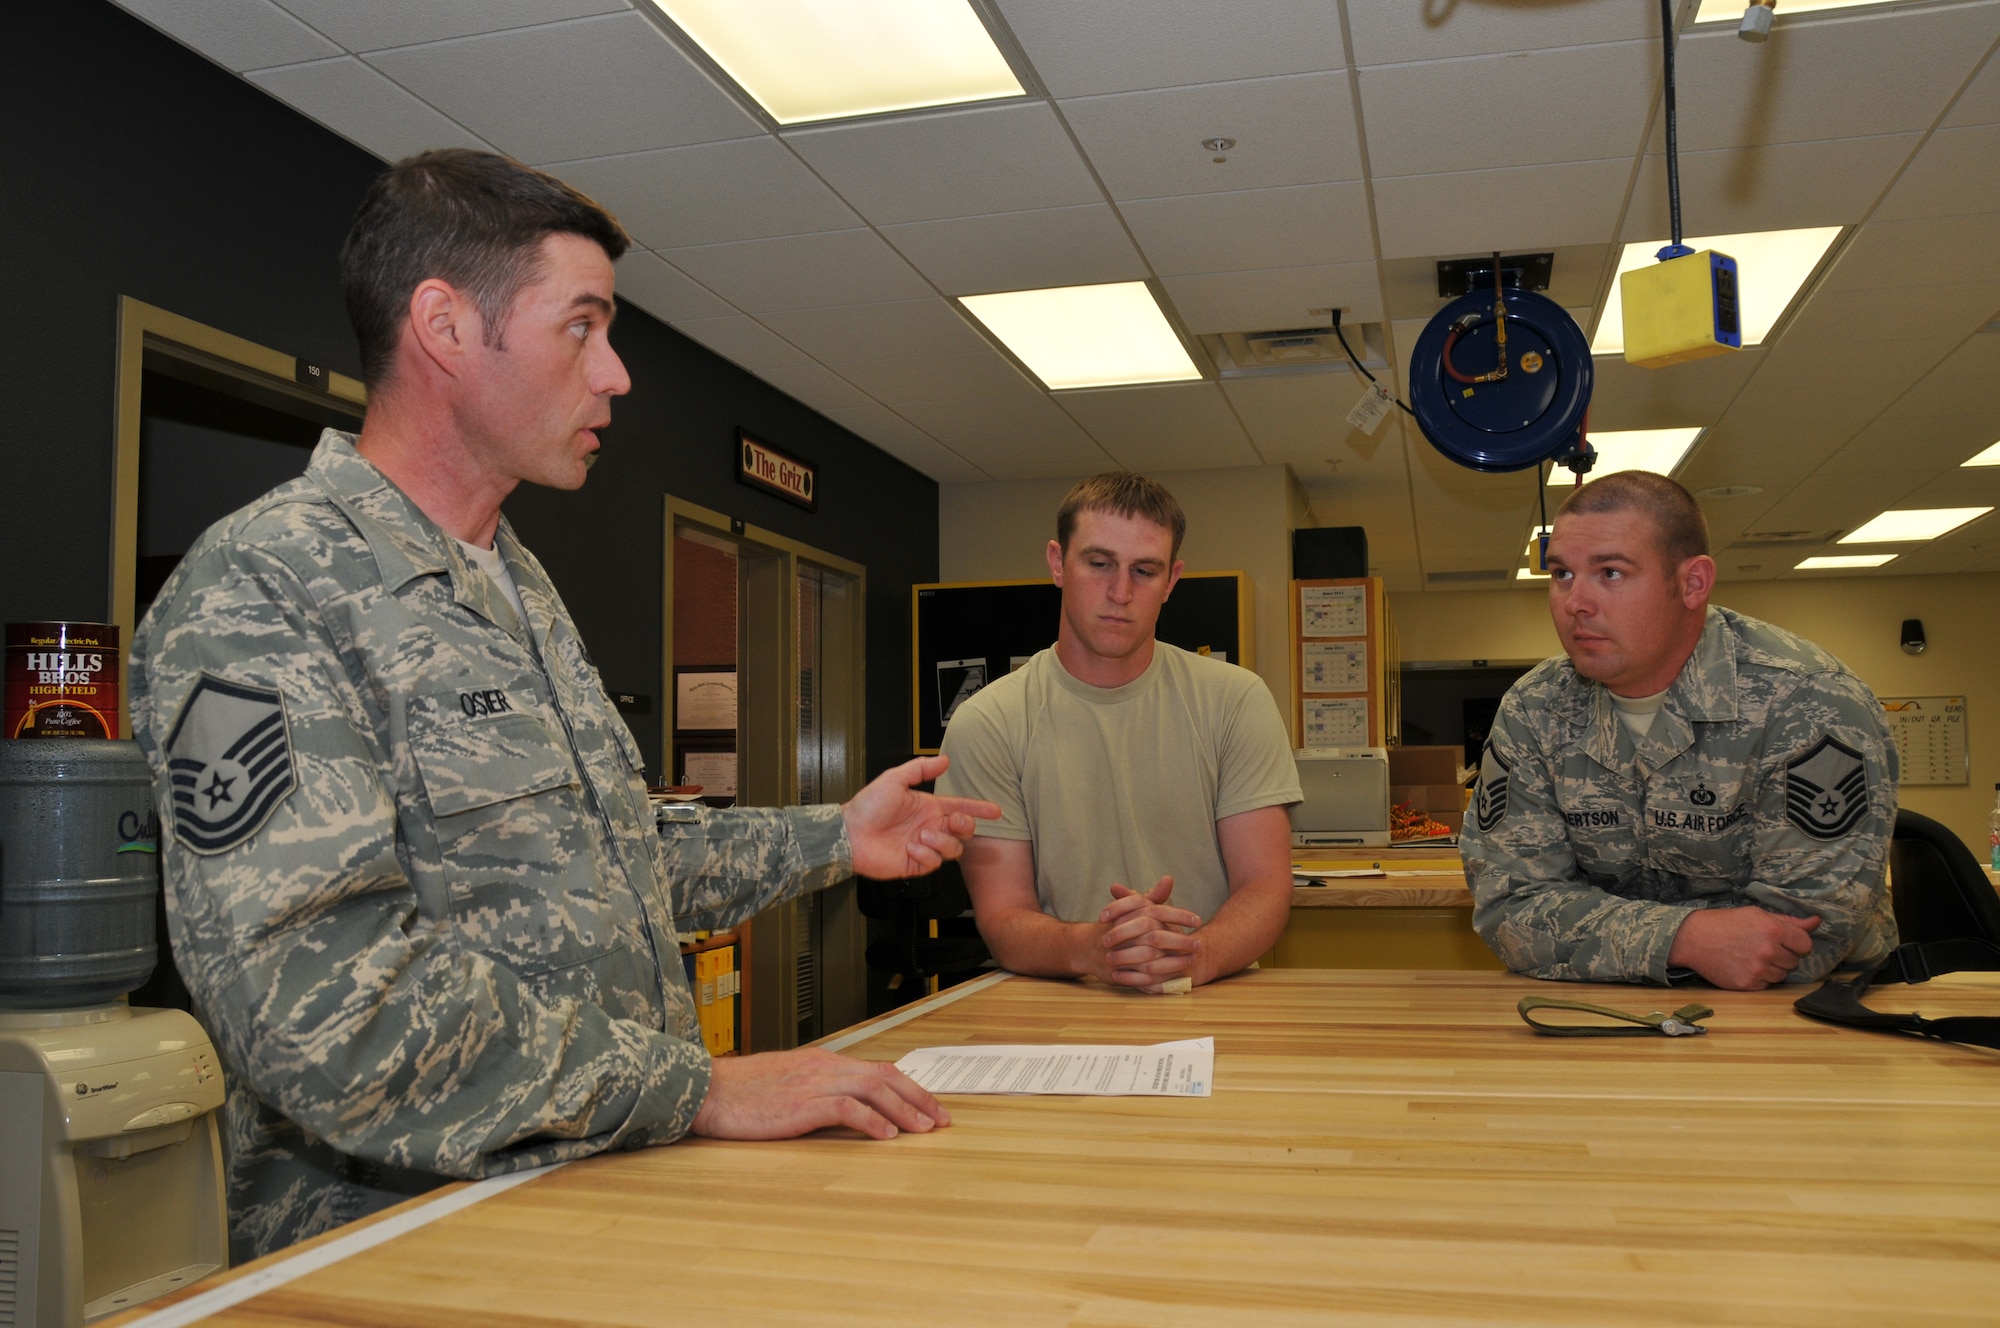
[1463, 578]
[1294, 350]
[1781, 539]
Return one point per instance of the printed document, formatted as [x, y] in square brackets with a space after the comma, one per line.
[1168, 1069]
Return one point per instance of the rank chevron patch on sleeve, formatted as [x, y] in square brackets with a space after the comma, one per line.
[230, 759]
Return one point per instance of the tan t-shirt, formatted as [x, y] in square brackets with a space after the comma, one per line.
[1122, 784]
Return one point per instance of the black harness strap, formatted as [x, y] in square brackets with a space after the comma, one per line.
[1838, 1002]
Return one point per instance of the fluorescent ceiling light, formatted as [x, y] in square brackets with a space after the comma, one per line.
[1914, 524]
[1845, 560]
[1087, 336]
[1990, 457]
[810, 60]
[1770, 268]
[1731, 11]
[1657, 450]
[1530, 574]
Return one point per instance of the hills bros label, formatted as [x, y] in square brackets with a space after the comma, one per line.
[62, 680]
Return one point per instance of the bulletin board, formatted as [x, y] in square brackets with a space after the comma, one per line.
[964, 634]
[1930, 738]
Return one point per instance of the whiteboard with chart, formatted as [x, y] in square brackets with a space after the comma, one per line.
[1930, 737]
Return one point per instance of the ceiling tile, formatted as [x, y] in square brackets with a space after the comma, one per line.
[1577, 103]
[1958, 171]
[1898, 313]
[360, 105]
[370, 25]
[1964, 380]
[1923, 251]
[744, 341]
[817, 386]
[1293, 130]
[907, 443]
[743, 190]
[236, 34]
[1626, 396]
[879, 331]
[1980, 102]
[802, 271]
[1125, 45]
[1075, 246]
[1881, 72]
[585, 88]
[902, 382]
[1176, 426]
[655, 285]
[1301, 419]
[1278, 298]
[1525, 208]
[1384, 33]
[1780, 186]
[1028, 438]
[1300, 226]
[1917, 446]
[955, 164]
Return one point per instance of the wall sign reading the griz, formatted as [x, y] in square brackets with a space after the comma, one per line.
[765, 467]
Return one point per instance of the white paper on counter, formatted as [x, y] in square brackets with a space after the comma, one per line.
[1168, 1069]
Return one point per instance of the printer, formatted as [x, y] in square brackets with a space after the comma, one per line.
[1346, 798]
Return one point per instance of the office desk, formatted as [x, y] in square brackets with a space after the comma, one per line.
[1381, 1148]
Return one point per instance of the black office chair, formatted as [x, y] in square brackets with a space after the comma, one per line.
[912, 952]
[1936, 885]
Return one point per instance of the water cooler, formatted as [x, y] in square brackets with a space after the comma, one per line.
[111, 1182]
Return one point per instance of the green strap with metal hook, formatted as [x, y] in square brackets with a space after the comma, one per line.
[1681, 1023]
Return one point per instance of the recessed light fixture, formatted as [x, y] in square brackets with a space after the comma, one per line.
[1530, 574]
[1913, 524]
[1087, 336]
[1731, 11]
[1837, 560]
[1730, 491]
[806, 60]
[1771, 266]
[1990, 457]
[1657, 450]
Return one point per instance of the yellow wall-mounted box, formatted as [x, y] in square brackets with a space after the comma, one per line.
[1687, 308]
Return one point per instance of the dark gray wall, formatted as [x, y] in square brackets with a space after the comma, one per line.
[132, 166]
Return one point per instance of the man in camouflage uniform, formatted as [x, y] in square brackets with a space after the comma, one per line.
[413, 881]
[1690, 792]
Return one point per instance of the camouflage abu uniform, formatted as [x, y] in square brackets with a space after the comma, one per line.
[1768, 778]
[413, 881]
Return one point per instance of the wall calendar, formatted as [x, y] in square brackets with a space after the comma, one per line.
[1930, 737]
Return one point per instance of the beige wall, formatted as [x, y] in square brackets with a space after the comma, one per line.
[1857, 618]
[1239, 520]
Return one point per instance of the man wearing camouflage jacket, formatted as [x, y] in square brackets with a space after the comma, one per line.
[413, 881]
[1691, 792]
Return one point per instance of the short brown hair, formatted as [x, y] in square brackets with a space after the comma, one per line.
[1676, 516]
[474, 219]
[1126, 494]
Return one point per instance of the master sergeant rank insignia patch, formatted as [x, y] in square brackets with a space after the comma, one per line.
[1826, 790]
[1489, 804]
[230, 758]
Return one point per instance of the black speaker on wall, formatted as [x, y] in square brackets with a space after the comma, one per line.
[1329, 551]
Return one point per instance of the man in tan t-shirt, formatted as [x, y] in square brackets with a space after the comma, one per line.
[1145, 831]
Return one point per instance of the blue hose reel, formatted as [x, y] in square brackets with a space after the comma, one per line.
[1501, 412]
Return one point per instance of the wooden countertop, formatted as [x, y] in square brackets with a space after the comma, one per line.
[1382, 1147]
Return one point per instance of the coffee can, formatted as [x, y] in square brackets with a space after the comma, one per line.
[62, 680]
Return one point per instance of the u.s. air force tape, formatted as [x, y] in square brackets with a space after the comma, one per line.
[230, 759]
